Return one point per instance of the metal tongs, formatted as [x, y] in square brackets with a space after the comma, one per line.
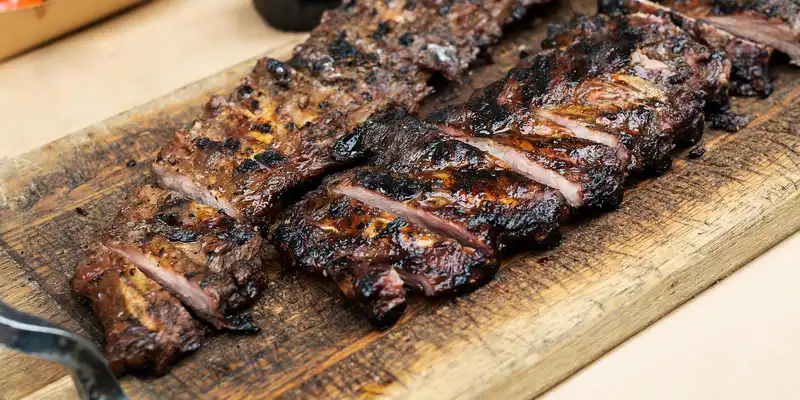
[28, 334]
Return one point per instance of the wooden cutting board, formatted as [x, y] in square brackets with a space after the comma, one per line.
[542, 318]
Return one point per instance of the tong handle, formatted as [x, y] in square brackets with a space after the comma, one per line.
[35, 336]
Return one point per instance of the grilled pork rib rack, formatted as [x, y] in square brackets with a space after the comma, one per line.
[188, 251]
[430, 206]
[439, 202]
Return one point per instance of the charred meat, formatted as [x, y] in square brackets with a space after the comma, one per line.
[202, 256]
[775, 23]
[163, 257]
[145, 326]
[371, 254]
[451, 187]
[192, 247]
[612, 97]
[275, 134]
[750, 73]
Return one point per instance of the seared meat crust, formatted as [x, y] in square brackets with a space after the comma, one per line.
[269, 139]
[205, 258]
[612, 97]
[165, 254]
[145, 326]
[371, 253]
[276, 133]
[750, 72]
[484, 203]
[772, 23]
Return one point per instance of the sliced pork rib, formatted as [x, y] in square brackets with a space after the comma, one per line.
[586, 172]
[775, 23]
[275, 133]
[371, 253]
[145, 326]
[750, 73]
[612, 97]
[450, 187]
[204, 257]
[163, 253]
[498, 173]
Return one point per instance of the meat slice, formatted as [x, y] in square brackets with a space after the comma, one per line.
[657, 51]
[613, 97]
[407, 36]
[750, 73]
[448, 186]
[145, 326]
[775, 23]
[371, 254]
[274, 136]
[584, 167]
[492, 210]
[434, 172]
[203, 257]
[259, 143]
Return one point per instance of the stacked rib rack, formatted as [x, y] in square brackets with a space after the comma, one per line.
[188, 251]
[439, 202]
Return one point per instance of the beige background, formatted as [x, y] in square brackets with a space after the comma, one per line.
[738, 340]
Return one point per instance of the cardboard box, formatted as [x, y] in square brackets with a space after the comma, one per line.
[28, 27]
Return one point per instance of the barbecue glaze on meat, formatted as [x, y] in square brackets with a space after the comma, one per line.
[163, 253]
[612, 97]
[372, 254]
[775, 23]
[275, 134]
[192, 245]
[145, 326]
[750, 72]
[205, 258]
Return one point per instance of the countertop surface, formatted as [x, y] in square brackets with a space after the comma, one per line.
[737, 340]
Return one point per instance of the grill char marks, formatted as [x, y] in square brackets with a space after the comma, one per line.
[271, 138]
[371, 253]
[665, 56]
[361, 58]
[750, 73]
[203, 257]
[451, 187]
[145, 326]
[259, 143]
[613, 98]
[404, 36]
[495, 121]
[623, 83]
[774, 23]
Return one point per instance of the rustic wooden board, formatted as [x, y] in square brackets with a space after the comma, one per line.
[544, 316]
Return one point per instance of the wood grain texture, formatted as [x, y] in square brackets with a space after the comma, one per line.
[543, 317]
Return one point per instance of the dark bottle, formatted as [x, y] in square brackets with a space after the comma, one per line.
[293, 15]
